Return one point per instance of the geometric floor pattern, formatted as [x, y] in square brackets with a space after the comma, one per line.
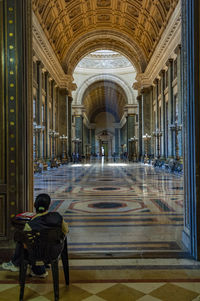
[108, 292]
[117, 209]
[110, 280]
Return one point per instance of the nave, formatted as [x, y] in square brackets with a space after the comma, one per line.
[117, 209]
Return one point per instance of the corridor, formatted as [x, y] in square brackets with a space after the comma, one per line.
[117, 209]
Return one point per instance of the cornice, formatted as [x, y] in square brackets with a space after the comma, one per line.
[165, 49]
[45, 53]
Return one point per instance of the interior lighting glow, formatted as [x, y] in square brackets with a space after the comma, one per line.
[117, 164]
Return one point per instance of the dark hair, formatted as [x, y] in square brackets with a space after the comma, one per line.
[42, 202]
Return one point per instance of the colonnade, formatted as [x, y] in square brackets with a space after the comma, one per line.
[160, 110]
[51, 116]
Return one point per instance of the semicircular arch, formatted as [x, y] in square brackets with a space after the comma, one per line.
[98, 40]
[79, 96]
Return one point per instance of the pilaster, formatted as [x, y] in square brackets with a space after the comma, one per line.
[69, 116]
[140, 125]
[39, 109]
[47, 142]
[171, 137]
[163, 116]
[146, 114]
[179, 99]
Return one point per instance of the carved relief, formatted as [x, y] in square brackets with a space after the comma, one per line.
[119, 5]
[103, 18]
[138, 16]
[88, 4]
[77, 26]
[74, 12]
[159, 21]
[166, 4]
[132, 11]
[103, 3]
[130, 25]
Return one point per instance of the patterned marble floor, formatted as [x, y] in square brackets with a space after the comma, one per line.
[117, 210]
[113, 280]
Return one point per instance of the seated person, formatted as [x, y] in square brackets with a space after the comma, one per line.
[42, 220]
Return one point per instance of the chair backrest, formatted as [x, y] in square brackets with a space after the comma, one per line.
[44, 245]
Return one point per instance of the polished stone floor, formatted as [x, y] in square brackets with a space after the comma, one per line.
[117, 209]
[113, 280]
[114, 211]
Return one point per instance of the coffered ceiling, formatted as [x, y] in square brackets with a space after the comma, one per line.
[104, 96]
[75, 28]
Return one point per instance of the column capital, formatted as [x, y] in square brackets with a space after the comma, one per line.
[64, 91]
[161, 73]
[155, 82]
[139, 97]
[177, 49]
[146, 90]
[169, 62]
[70, 98]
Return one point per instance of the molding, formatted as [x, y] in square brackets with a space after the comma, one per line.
[78, 98]
[45, 53]
[165, 49]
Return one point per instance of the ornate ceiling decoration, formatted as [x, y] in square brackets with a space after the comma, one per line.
[104, 60]
[104, 96]
[75, 28]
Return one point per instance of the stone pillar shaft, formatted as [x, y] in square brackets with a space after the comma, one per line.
[171, 144]
[140, 125]
[146, 116]
[47, 114]
[163, 116]
[69, 116]
[191, 94]
[39, 109]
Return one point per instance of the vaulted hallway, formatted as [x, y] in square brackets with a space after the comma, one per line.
[82, 80]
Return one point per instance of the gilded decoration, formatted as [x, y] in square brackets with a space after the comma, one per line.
[68, 23]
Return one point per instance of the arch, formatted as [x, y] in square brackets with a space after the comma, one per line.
[104, 109]
[106, 39]
[78, 99]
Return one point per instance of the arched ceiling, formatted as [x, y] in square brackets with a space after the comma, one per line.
[75, 28]
[104, 96]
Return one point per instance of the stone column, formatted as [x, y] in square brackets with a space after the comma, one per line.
[69, 116]
[171, 144]
[16, 117]
[93, 142]
[140, 126]
[116, 141]
[131, 122]
[53, 105]
[156, 117]
[79, 131]
[146, 115]
[63, 118]
[39, 108]
[190, 58]
[163, 114]
[179, 99]
[47, 142]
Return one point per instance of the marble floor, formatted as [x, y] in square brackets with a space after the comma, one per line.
[113, 280]
[117, 209]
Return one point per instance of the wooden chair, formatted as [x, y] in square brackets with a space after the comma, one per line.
[47, 246]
